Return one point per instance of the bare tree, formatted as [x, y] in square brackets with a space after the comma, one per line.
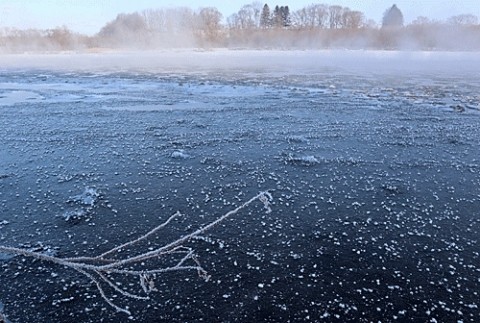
[155, 19]
[233, 22]
[463, 20]
[125, 30]
[248, 17]
[352, 19]
[335, 16]
[301, 19]
[424, 33]
[210, 23]
[318, 15]
[61, 38]
[169, 20]
[421, 20]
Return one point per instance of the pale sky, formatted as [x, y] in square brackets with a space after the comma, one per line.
[88, 16]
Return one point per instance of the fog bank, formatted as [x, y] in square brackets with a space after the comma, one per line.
[252, 61]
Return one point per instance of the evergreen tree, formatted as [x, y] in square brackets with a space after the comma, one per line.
[281, 17]
[286, 21]
[277, 17]
[393, 17]
[265, 19]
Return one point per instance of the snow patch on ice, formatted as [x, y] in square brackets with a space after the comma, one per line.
[180, 154]
[74, 214]
[306, 160]
[88, 198]
[296, 139]
[84, 203]
[309, 159]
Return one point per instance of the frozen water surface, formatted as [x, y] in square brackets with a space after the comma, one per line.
[372, 158]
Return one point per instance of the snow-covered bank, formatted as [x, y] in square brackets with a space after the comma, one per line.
[255, 61]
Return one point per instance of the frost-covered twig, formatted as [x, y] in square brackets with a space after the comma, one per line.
[174, 255]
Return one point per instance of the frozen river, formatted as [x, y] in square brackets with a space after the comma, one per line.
[372, 159]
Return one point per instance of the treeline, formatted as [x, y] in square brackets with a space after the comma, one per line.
[260, 26]
[61, 38]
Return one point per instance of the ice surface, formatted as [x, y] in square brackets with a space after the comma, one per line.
[372, 159]
[5, 257]
[13, 97]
